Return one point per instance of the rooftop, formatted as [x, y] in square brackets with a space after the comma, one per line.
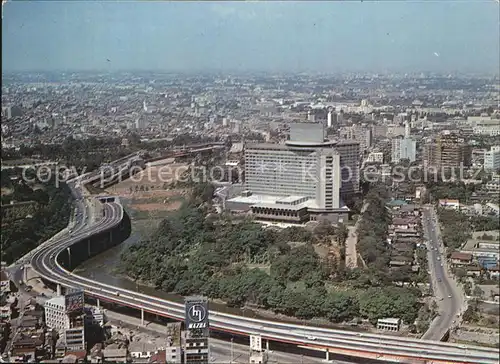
[268, 201]
[58, 300]
[292, 145]
[390, 320]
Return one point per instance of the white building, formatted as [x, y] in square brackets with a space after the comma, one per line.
[140, 123]
[7, 112]
[304, 178]
[389, 324]
[484, 125]
[492, 159]
[55, 313]
[403, 148]
[69, 324]
[395, 130]
[376, 157]
[142, 349]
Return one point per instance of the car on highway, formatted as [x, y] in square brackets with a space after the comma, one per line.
[449, 296]
[312, 338]
[438, 258]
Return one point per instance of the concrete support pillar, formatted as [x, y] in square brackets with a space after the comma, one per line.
[327, 355]
[142, 317]
[267, 345]
[98, 302]
[58, 289]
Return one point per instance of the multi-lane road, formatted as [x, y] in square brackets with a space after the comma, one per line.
[44, 261]
[449, 298]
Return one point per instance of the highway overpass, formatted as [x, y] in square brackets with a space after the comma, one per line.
[54, 263]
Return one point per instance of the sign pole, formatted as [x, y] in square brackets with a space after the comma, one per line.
[232, 352]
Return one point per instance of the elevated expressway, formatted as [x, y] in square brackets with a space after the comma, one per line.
[386, 348]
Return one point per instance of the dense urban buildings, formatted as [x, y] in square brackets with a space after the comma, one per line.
[278, 177]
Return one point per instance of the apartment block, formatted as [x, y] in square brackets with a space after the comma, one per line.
[448, 150]
[492, 159]
[403, 148]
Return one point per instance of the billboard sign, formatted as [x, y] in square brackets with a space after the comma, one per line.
[74, 301]
[255, 343]
[196, 313]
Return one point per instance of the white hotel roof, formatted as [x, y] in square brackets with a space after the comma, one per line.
[270, 201]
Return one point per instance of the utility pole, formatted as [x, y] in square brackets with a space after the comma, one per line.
[232, 352]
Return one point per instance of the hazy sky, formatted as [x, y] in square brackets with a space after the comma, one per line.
[328, 36]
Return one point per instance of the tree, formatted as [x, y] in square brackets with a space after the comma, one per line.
[467, 288]
[341, 233]
[478, 292]
[461, 273]
[378, 303]
[324, 229]
[471, 314]
[340, 307]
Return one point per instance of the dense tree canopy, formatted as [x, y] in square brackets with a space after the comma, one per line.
[50, 215]
[372, 232]
[457, 227]
[243, 263]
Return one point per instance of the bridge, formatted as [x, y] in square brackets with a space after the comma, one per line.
[55, 261]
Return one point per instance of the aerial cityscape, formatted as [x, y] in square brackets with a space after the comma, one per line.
[250, 182]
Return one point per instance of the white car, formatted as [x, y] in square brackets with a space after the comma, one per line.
[311, 338]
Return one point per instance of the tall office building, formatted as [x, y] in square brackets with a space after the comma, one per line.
[492, 159]
[403, 148]
[359, 133]
[66, 315]
[301, 179]
[448, 150]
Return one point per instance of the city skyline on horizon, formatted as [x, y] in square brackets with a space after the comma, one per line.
[244, 37]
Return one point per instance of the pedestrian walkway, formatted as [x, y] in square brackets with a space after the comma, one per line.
[351, 254]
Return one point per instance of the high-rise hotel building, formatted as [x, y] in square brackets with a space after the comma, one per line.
[302, 179]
